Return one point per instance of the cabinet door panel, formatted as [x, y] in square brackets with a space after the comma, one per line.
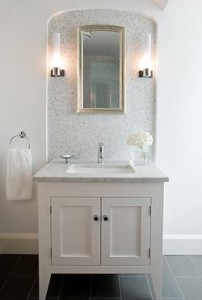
[126, 235]
[75, 234]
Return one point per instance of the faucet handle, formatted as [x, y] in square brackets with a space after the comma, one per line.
[100, 152]
[66, 157]
[100, 144]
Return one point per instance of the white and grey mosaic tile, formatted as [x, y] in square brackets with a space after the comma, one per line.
[79, 133]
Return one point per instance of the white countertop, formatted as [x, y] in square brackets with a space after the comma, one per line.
[56, 171]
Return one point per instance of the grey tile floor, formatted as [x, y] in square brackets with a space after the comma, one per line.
[182, 279]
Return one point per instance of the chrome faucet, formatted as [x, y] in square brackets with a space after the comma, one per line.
[100, 152]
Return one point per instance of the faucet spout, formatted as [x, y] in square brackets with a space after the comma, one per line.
[100, 152]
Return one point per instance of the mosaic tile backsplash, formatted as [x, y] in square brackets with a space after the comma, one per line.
[75, 133]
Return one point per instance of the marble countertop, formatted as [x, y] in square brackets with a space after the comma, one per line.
[56, 171]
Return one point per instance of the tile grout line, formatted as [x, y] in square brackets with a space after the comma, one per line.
[119, 278]
[31, 286]
[149, 288]
[9, 275]
[199, 274]
[174, 278]
[104, 297]
[90, 290]
[61, 287]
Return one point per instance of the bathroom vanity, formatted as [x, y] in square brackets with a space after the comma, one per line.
[100, 220]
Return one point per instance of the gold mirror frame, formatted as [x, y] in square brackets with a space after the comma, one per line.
[90, 29]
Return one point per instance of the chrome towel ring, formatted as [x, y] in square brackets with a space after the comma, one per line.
[21, 135]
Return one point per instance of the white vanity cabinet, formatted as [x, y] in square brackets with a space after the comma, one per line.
[100, 231]
[100, 224]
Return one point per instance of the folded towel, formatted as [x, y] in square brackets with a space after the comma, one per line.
[19, 174]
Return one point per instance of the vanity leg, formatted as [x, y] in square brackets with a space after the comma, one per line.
[157, 240]
[44, 279]
[44, 241]
[157, 283]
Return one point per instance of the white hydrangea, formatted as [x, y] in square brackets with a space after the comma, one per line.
[140, 139]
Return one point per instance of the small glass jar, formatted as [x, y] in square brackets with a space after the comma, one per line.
[139, 155]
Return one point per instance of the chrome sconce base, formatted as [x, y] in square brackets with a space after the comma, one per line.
[57, 72]
[146, 73]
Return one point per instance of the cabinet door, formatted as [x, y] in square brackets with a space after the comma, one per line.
[126, 231]
[75, 233]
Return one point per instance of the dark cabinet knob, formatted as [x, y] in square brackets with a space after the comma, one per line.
[96, 218]
[105, 218]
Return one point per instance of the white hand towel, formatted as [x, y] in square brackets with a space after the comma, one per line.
[19, 174]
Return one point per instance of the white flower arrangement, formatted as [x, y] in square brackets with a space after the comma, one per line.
[140, 139]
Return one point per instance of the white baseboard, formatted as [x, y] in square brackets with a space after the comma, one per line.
[182, 244]
[173, 244]
[18, 243]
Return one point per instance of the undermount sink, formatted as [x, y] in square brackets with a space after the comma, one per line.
[93, 168]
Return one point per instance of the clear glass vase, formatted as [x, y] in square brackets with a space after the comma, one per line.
[139, 155]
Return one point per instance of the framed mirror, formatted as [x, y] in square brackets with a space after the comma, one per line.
[101, 67]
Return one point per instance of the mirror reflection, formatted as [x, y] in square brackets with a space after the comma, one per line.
[101, 61]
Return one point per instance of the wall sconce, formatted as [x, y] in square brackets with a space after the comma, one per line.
[56, 71]
[146, 71]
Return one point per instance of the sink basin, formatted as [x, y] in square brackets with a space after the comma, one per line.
[100, 169]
